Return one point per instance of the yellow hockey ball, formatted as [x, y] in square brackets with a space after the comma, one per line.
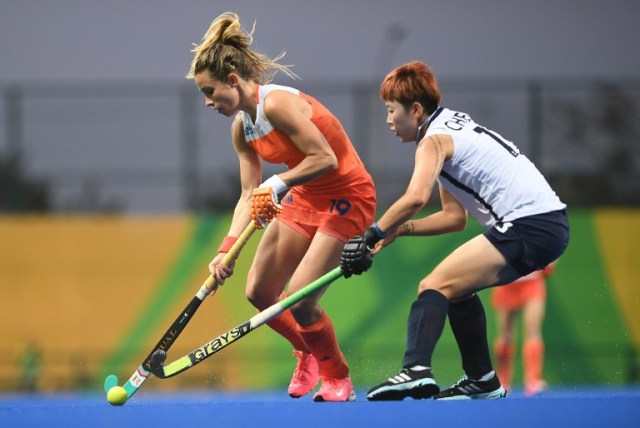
[117, 396]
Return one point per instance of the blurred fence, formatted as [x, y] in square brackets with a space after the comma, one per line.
[153, 147]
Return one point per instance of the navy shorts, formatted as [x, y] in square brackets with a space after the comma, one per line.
[531, 243]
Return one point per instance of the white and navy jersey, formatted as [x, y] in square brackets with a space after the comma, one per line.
[487, 174]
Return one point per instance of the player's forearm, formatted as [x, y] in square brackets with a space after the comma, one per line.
[400, 212]
[435, 224]
[241, 216]
[311, 167]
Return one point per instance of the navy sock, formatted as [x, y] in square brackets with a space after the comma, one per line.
[469, 324]
[426, 322]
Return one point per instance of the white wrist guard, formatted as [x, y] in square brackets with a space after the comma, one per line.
[279, 187]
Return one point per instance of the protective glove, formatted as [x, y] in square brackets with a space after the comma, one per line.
[357, 256]
[264, 206]
[265, 200]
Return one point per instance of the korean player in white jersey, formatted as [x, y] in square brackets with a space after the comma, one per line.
[479, 172]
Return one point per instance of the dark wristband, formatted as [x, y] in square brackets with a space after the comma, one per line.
[373, 234]
[378, 231]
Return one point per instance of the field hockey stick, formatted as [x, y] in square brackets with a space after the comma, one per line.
[219, 343]
[142, 373]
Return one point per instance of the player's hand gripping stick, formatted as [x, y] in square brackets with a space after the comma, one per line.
[357, 255]
[265, 199]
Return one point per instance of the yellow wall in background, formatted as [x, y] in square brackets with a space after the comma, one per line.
[78, 286]
[79, 282]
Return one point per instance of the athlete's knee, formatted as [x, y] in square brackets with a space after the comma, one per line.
[260, 297]
[431, 283]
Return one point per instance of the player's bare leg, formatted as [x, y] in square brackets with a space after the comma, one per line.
[533, 347]
[504, 348]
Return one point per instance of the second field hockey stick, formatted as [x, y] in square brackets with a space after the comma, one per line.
[142, 373]
[208, 349]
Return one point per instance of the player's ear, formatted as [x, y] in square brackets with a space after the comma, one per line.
[233, 80]
[417, 111]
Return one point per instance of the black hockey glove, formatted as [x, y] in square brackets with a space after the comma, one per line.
[357, 256]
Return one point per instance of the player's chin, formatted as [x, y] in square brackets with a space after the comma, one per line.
[398, 136]
[226, 112]
[403, 138]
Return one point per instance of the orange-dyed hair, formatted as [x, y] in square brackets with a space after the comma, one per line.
[412, 82]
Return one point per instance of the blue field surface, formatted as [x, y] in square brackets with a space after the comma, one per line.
[591, 407]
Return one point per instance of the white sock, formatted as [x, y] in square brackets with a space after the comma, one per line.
[419, 368]
[487, 376]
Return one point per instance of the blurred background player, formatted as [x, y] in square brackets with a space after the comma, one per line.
[526, 295]
[327, 195]
[30, 362]
[478, 172]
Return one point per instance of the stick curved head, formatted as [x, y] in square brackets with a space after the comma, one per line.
[109, 382]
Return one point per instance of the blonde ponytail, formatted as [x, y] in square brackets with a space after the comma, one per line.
[225, 49]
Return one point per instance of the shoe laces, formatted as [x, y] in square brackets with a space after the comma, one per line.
[302, 366]
[405, 371]
[464, 380]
